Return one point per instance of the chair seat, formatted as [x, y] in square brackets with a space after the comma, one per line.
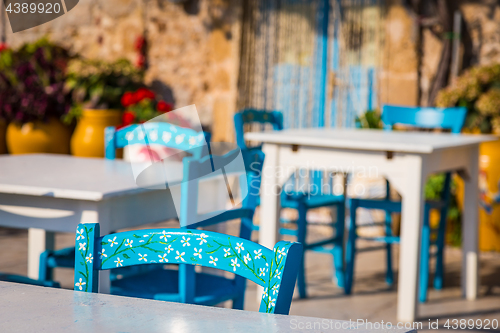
[310, 201]
[392, 205]
[26, 280]
[61, 258]
[162, 284]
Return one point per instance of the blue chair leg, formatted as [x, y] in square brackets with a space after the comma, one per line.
[439, 275]
[338, 247]
[424, 256]
[45, 272]
[187, 283]
[351, 248]
[301, 237]
[239, 302]
[389, 275]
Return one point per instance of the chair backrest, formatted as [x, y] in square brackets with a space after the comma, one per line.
[424, 117]
[168, 135]
[275, 270]
[316, 179]
[197, 169]
[249, 116]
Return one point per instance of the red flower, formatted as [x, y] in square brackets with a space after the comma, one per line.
[140, 43]
[141, 61]
[3, 46]
[163, 106]
[143, 93]
[128, 99]
[128, 118]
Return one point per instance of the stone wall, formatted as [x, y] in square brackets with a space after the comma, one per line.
[483, 22]
[193, 47]
[398, 78]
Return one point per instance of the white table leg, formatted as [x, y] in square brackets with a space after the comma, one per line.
[39, 240]
[269, 202]
[411, 226]
[470, 260]
[269, 198]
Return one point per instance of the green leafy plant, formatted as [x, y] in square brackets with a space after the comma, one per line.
[97, 84]
[433, 190]
[369, 119]
[478, 89]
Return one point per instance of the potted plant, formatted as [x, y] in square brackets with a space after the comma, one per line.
[142, 106]
[33, 98]
[478, 89]
[97, 88]
[3, 124]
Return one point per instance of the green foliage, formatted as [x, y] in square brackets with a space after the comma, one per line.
[144, 110]
[433, 189]
[369, 119]
[478, 89]
[97, 84]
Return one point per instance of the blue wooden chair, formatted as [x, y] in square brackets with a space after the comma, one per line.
[449, 118]
[253, 120]
[185, 285]
[275, 270]
[168, 135]
[165, 134]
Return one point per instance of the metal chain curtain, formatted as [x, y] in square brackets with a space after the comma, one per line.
[314, 60]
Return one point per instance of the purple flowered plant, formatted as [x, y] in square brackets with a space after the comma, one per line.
[32, 82]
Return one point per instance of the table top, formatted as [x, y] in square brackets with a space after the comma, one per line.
[365, 139]
[69, 177]
[25, 308]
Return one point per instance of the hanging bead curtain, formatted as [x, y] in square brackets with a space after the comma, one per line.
[314, 60]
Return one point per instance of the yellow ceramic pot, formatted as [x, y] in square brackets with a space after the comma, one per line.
[38, 137]
[489, 211]
[3, 133]
[489, 176]
[88, 138]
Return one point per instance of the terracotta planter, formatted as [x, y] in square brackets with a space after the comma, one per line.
[88, 138]
[38, 137]
[3, 139]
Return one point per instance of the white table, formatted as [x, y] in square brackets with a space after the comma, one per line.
[54, 193]
[405, 159]
[26, 308]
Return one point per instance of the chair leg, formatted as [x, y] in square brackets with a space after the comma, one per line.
[389, 275]
[351, 249]
[338, 247]
[440, 244]
[187, 284]
[424, 257]
[45, 272]
[238, 303]
[301, 238]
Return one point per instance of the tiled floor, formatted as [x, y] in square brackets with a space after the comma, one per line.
[372, 299]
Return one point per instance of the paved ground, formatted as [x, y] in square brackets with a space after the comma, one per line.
[372, 299]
